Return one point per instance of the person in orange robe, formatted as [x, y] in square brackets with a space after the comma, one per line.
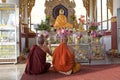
[61, 21]
[63, 58]
[36, 60]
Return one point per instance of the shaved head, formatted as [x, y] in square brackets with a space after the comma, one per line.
[41, 40]
[64, 39]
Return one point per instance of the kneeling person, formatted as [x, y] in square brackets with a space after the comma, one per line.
[63, 58]
[36, 60]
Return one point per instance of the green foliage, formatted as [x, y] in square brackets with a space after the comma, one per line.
[93, 28]
[73, 17]
[45, 25]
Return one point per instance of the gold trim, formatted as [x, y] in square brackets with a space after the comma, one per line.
[114, 19]
[7, 8]
[3, 1]
[86, 4]
[110, 6]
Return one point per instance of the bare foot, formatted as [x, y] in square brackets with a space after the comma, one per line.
[52, 69]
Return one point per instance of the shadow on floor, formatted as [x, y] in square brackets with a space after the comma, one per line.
[87, 72]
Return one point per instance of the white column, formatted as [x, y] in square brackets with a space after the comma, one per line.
[95, 10]
[91, 12]
[26, 16]
[116, 4]
[0, 1]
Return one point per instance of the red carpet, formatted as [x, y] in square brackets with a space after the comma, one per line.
[88, 72]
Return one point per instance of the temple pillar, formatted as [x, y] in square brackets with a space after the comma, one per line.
[114, 32]
[116, 5]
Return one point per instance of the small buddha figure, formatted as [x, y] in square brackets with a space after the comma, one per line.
[81, 29]
[61, 21]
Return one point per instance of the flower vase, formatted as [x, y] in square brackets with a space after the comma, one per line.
[97, 51]
[97, 40]
[69, 40]
[76, 41]
[92, 40]
[81, 40]
[81, 29]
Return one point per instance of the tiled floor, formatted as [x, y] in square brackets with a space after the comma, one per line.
[11, 71]
[15, 71]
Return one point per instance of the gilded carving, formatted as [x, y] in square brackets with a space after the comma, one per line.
[114, 19]
[86, 4]
[94, 9]
[26, 4]
[3, 1]
[25, 11]
[110, 6]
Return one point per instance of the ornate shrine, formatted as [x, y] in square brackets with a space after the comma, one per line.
[52, 10]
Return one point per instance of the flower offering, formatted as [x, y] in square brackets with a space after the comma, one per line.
[64, 32]
[93, 25]
[44, 33]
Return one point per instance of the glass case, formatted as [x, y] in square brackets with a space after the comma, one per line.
[8, 38]
[82, 48]
[83, 53]
[97, 51]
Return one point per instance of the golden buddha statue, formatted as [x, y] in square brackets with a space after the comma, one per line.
[61, 21]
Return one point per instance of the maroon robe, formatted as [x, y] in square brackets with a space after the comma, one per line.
[36, 62]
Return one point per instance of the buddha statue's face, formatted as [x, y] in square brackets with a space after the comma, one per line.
[61, 11]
